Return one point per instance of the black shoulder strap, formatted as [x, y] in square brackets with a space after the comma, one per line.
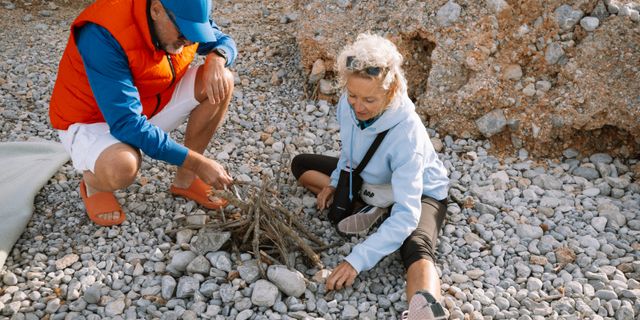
[372, 149]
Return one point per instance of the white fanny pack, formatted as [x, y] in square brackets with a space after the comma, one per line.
[378, 195]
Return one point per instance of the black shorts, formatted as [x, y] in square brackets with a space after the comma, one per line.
[422, 242]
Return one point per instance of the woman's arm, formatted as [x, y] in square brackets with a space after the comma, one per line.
[406, 181]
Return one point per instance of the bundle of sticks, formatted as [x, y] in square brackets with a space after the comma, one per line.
[261, 224]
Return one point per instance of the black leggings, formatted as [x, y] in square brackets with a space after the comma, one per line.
[422, 242]
[317, 162]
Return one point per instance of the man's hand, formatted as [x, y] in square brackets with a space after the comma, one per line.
[213, 78]
[213, 174]
[342, 276]
[325, 197]
[210, 171]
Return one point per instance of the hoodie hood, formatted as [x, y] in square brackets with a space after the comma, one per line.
[400, 109]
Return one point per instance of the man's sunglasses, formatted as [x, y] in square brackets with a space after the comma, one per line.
[175, 23]
[351, 65]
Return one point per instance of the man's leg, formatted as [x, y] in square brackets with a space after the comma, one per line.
[116, 168]
[203, 122]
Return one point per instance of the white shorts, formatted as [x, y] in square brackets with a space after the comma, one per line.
[85, 142]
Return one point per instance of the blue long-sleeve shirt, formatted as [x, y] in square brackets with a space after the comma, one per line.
[110, 78]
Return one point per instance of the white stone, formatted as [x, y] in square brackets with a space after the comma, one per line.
[278, 146]
[534, 284]
[527, 231]
[591, 192]
[448, 14]
[589, 23]
[327, 87]
[264, 293]
[181, 259]
[66, 261]
[497, 5]
[289, 282]
[317, 71]
[512, 72]
[529, 90]
[114, 308]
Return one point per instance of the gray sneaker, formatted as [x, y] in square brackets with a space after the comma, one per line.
[424, 306]
[360, 222]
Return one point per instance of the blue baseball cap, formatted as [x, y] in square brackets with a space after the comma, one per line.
[192, 18]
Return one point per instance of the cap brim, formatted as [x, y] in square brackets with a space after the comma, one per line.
[196, 31]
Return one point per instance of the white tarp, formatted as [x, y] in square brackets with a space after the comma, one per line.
[25, 167]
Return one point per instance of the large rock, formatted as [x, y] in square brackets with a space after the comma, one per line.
[460, 64]
[289, 282]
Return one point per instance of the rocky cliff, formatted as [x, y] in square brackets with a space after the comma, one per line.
[539, 74]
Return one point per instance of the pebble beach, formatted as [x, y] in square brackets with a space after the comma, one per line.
[525, 237]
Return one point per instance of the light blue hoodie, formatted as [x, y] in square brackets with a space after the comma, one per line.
[405, 159]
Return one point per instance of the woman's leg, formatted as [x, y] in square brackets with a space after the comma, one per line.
[313, 180]
[418, 251]
[313, 171]
[422, 275]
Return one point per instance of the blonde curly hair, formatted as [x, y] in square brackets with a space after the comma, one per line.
[372, 51]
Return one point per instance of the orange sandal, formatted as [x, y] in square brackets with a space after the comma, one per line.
[199, 192]
[101, 203]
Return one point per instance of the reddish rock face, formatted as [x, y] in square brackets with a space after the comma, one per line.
[559, 85]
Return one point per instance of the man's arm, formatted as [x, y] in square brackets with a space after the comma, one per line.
[111, 81]
[220, 55]
[224, 45]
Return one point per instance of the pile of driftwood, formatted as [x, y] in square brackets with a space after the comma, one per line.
[259, 223]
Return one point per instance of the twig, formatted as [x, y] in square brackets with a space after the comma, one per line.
[224, 218]
[315, 259]
[274, 236]
[272, 259]
[234, 200]
[314, 94]
[248, 234]
[213, 226]
[256, 228]
[326, 247]
[300, 226]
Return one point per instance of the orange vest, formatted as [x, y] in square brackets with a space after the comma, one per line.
[154, 74]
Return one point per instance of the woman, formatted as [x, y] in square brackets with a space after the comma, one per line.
[375, 99]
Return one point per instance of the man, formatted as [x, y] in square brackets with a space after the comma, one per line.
[124, 81]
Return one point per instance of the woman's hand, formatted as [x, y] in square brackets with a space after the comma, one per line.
[325, 197]
[342, 276]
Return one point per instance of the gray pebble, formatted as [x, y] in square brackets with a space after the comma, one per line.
[553, 53]
[264, 293]
[349, 312]
[186, 287]
[589, 23]
[10, 279]
[93, 294]
[448, 14]
[168, 287]
[114, 308]
[567, 17]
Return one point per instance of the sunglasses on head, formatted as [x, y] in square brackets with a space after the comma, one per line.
[352, 65]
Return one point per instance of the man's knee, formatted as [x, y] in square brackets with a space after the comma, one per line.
[118, 166]
[229, 79]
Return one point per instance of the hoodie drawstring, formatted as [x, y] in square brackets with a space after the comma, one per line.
[351, 168]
